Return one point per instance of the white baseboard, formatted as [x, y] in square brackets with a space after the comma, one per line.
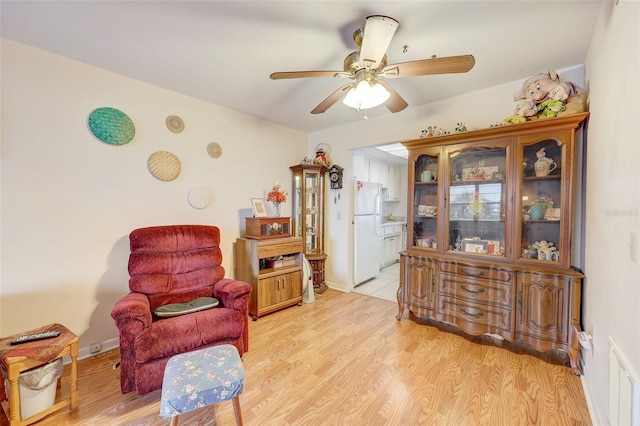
[105, 346]
[337, 286]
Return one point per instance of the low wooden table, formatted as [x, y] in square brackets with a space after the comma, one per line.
[18, 358]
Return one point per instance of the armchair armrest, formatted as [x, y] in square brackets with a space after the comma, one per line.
[235, 295]
[133, 306]
[232, 293]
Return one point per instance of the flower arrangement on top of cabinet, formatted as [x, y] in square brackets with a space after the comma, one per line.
[277, 196]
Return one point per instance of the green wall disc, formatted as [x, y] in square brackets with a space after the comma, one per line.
[111, 126]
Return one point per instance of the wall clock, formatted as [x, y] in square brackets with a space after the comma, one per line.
[335, 176]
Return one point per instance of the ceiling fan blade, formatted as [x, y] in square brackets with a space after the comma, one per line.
[331, 99]
[395, 103]
[378, 32]
[305, 74]
[448, 65]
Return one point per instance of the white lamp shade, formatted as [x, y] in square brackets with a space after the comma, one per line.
[366, 95]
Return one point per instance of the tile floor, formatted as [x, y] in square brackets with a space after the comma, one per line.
[384, 286]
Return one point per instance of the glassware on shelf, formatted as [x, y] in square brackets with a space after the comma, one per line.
[425, 196]
[477, 201]
[541, 218]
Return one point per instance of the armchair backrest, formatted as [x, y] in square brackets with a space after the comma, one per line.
[172, 264]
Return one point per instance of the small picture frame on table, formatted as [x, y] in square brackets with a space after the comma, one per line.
[259, 209]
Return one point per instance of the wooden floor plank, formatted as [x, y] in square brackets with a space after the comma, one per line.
[345, 360]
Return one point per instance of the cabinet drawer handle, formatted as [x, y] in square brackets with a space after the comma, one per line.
[472, 273]
[478, 315]
[464, 287]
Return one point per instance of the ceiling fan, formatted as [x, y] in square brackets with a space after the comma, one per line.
[367, 68]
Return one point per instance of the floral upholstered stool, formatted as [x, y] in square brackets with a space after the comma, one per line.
[200, 378]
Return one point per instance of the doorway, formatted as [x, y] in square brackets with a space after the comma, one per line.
[384, 285]
[384, 167]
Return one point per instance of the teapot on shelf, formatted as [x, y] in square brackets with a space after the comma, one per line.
[539, 208]
[544, 165]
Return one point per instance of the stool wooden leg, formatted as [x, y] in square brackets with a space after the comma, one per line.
[14, 398]
[174, 421]
[236, 410]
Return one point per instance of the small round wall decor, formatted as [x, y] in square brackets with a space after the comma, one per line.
[164, 166]
[199, 197]
[214, 150]
[174, 123]
[111, 126]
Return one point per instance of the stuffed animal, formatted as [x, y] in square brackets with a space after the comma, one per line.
[550, 108]
[564, 97]
[537, 88]
[524, 110]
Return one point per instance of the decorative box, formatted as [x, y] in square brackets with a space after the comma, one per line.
[262, 228]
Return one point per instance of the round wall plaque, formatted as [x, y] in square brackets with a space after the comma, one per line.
[199, 197]
[174, 123]
[111, 126]
[214, 150]
[164, 166]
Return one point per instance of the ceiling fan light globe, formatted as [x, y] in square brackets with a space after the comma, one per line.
[378, 94]
[366, 95]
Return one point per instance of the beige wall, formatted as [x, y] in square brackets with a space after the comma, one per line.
[69, 201]
[612, 289]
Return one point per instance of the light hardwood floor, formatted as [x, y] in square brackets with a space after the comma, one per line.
[345, 360]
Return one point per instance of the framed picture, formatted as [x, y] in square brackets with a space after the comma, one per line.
[259, 209]
[470, 245]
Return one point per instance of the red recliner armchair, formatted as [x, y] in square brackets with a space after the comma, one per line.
[175, 264]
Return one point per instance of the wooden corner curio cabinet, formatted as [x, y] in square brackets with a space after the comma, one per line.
[490, 220]
[308, 217]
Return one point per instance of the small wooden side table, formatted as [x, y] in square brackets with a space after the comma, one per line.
[18, 358]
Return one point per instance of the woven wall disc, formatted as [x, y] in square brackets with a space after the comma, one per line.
[174, 123]
[111, 126]
[164, 166]
[214, 150]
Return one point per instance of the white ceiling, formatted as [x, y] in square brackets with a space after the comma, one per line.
[224, 51]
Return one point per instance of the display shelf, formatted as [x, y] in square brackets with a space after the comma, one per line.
[272, 288]
[308, 197]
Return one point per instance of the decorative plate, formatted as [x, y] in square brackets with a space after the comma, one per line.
[174, 123]
[214, 150]
[199, 197]
[111, 126]
[164, 166]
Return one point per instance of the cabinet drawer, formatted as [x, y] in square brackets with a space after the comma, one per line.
[271, 250]
[392, 229]
[476, 289]
[473, 271]
[476, 318]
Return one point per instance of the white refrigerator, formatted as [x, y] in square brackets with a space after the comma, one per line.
[366, 222]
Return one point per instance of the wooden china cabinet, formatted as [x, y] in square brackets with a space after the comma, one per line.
[308, 217]
[490, 220]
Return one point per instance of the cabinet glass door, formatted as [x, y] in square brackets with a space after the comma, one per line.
[311, 212]
[542, 202]
[425, 201]
[308, 187]
[477, 200]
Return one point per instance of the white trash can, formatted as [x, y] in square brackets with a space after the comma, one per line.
[37, 388]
